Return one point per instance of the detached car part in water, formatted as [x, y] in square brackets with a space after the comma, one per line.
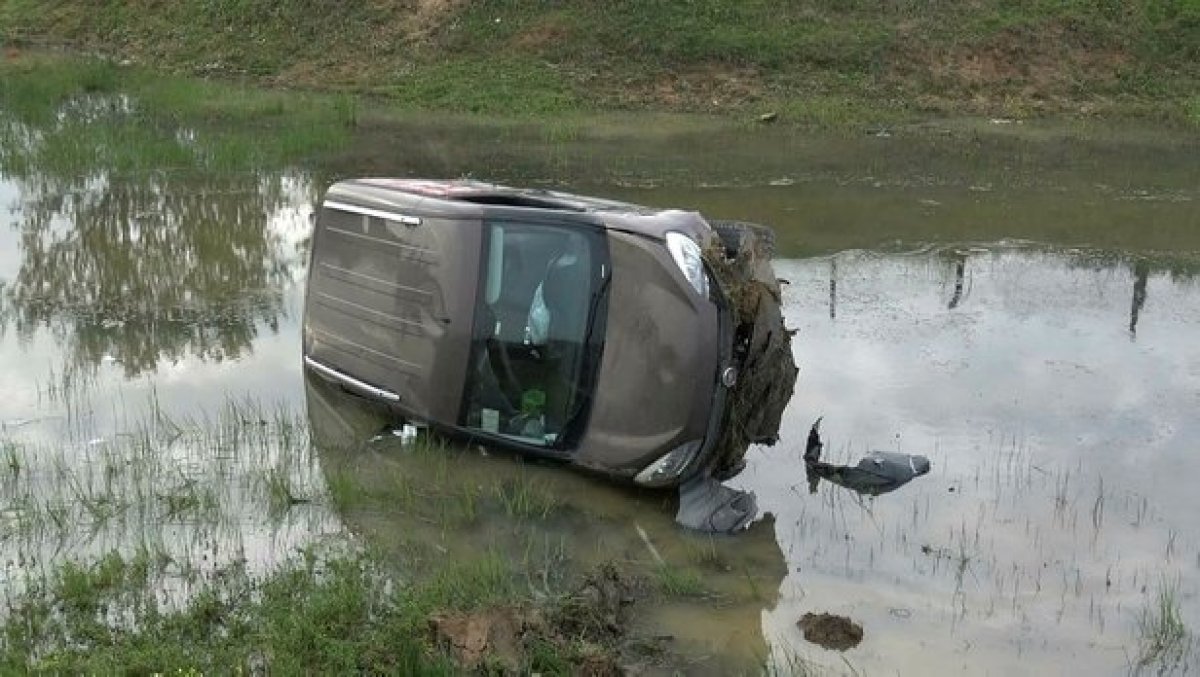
[877, 473]
[642, 344]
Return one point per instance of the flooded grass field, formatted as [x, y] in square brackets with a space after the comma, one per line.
[1018, 303]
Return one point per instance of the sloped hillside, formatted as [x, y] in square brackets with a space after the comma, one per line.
[812, 60]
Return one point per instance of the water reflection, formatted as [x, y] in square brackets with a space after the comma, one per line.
[833, 288]
[1141, 275]
[154, 269]
[136, 266]
[1060, 496]
[960, 271]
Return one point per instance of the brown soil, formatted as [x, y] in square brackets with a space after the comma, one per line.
[428, 16]
[543, 35]
[1040, 68]
[586, 626]
[711, 86]
[830, 631]
[493, 634]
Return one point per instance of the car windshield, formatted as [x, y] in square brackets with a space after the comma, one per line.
[538, 332]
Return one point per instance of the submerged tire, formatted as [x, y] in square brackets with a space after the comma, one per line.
[734, 233]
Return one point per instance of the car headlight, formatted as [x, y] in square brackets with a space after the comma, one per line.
[669, 466]
[686, 253]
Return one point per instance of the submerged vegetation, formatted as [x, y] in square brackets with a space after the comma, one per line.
[325, 614]
[175, 506]
[827, 63]
[1165, 643]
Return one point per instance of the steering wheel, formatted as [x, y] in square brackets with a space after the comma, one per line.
[507, 377]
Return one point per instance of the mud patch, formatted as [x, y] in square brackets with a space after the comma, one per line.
[428, 16]
[544, 35]
[585, 626]
[1041, 67]
[494, 634]
[832, 632]
[755, 404]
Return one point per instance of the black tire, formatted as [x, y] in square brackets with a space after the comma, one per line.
[734, 233]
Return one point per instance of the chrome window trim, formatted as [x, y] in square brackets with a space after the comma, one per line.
[377, 213]
[350, 380]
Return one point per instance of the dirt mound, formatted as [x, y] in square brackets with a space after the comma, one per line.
[584, 626]
[830, 631]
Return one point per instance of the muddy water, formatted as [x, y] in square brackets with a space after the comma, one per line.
[1019, 304]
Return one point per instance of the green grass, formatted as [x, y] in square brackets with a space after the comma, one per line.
[1192, 108]
[525, 498]
[501, 86]
[97, 116]
[329, 616]
[829, 63]
[675, 581]
[1163, 638]
[327, 612]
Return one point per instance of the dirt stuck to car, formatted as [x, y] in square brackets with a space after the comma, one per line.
[741, 264]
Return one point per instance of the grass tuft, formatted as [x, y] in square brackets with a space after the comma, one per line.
[525, 499]
[1164, 639]
[680, 582]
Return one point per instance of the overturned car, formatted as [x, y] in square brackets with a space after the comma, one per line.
[643, 344]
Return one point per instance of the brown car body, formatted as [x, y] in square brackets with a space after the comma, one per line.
[402, 307]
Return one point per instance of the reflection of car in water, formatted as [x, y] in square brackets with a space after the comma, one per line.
[603, 334]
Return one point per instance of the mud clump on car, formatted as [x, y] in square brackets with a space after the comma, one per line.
[768, 373]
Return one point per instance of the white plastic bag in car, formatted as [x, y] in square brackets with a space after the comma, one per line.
[537, 326]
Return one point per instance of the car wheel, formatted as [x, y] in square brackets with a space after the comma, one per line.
[734, 233]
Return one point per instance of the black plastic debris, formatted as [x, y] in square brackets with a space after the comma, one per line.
[877, 473]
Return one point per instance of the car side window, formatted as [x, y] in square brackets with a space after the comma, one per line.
[527, 362]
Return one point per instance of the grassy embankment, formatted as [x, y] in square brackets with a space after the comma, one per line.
[824, 63]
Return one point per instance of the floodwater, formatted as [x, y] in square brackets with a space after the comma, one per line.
[1019, 303]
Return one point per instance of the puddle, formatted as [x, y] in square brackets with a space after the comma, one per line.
[1059, 439]
[1053, 388]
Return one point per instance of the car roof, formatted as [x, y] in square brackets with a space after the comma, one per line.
[468, 198]
[484, 193]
